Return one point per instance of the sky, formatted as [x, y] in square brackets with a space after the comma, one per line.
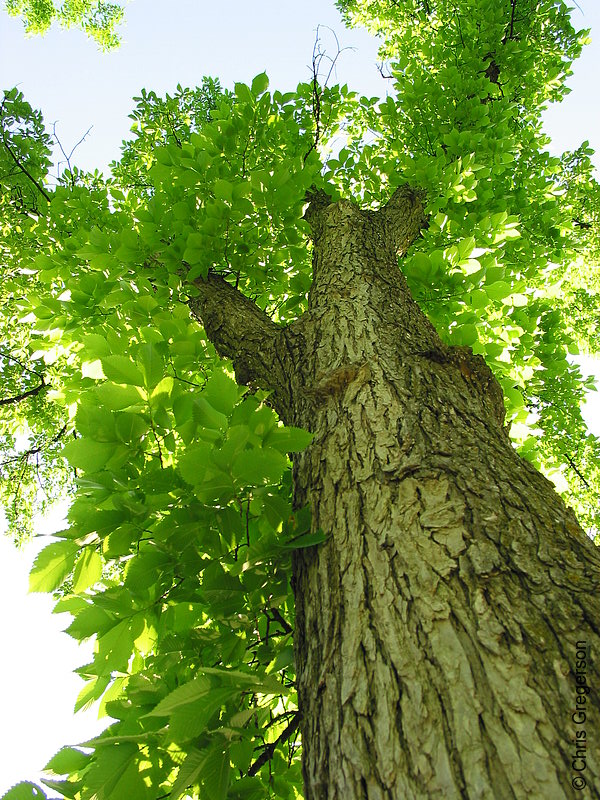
[78, 88]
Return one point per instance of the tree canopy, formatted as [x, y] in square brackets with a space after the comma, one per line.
[182, 523]
[97, 19]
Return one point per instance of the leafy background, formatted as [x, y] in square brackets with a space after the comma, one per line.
[132, 67]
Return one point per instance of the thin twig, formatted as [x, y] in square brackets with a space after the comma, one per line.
[269, 750]
[24, 169]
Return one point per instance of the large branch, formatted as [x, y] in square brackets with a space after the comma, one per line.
[241, 331]
[404, 217]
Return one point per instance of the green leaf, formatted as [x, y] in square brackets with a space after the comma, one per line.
[254, 680]
[95, 346]
[131, 427]
[114, 648]
[243, 93]
[216, 773]
[465, 335]
[182, 696]
[96, 422]
[259, 466]
[92, 620]
[190, 771]
[67, 760]
[145, 569]
[52, 566]
[497, 290]
[222, 392]
[24, 791]
[88, 455]
[194, 462]
[117, 397]
[190, 721]
[305, 540]
[205, 414]
[88, 570]
[288, 439]
[68, 789]
[223, 190]
[121, 369]
[115, 774]
[260, 84]
[92, 690]
[153, 365]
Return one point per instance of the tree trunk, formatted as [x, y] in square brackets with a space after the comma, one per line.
[444, 630]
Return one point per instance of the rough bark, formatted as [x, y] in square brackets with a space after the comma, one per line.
[442, 630]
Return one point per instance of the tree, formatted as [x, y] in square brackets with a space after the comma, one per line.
[396, 285]
[97, 18]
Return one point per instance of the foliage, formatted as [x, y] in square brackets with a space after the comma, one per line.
[96, 18]
[177, 553]
[32, 473]
[158, 122]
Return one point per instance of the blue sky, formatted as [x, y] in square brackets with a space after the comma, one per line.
[165, 43]
[77, 87]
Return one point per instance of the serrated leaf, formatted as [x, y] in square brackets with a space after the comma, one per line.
[67, 761]
[88, 570]
[52, 566]
[95, 422]
[117, 397]
[88, 455]
[205, 414]
[115, 647]
[288, 439]
[190, 720]
[24, 791]
[222, 392]
[130, 427]
[144, 569]
[68, 789]
[255, 680]
[215, 776]
[193, 463]
[92, 690]
[153, 365]
[189, 772]
[258, 466]
[121, 369]
[90, 621]
[260, 84]
[95, 345]
[115, 774]
[182, 696]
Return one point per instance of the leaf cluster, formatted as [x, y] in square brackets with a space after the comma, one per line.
[98, 19]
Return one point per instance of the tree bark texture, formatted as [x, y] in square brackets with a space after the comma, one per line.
[444, 627]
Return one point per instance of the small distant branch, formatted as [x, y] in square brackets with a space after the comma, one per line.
[576, 471]
[380, 70]
[269, 750]
[318, 56]
[509, 35]
[6, 401]
[34, 451]
[67, 158]
[30, 392]
[24, 169]
[278, 617]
